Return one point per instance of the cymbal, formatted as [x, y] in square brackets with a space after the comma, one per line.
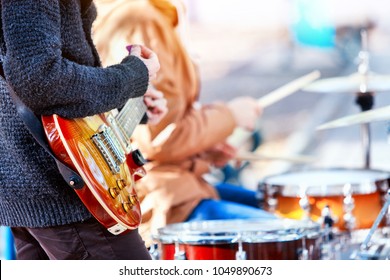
[351, 84]
[380, 114]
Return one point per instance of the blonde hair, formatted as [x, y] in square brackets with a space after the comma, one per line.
[168, 9]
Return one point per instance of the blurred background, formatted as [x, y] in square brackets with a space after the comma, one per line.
[252, 47]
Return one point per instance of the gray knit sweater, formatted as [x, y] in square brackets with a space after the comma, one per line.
[48, 57]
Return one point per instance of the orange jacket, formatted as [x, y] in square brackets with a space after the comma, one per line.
[173, 185]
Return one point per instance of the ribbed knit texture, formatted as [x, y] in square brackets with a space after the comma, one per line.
[49, 58]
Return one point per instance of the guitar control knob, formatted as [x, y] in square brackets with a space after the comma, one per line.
[137, 157]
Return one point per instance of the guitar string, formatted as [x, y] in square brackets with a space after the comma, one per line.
[130, 116]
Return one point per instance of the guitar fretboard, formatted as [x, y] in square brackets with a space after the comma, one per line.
[131, 115]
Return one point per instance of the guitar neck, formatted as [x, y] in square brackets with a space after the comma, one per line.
[131, 115]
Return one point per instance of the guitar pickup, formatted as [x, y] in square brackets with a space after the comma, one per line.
[110, 148]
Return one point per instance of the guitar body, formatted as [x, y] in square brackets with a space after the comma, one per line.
[90, 147]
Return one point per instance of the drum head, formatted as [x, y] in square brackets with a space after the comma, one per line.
[327, 182]
[230, 231]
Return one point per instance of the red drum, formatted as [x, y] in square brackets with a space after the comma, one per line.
[354, 196]
[279, 239]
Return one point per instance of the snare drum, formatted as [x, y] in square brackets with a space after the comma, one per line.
[279, 239]
[354, 196]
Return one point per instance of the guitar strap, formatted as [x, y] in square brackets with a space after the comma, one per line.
[34, 125]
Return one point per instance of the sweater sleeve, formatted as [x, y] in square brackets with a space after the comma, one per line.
[49, 82]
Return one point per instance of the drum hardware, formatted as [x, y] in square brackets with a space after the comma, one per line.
[346, 246]
[327, 252]
[304, 252]
[327, 220]
[365, 250]
[154, 252]
[305, 205]
[363, 99]
[374, 252]
[268, 194]
[179, 254]
[333, 240]
[240, 136]
[364, 96]
[249, 239]
[348, 205]
[355, 196]
[240, 254]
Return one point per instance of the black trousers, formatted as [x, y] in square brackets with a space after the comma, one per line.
[78, 241]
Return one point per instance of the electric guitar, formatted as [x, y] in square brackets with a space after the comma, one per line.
[98, 148]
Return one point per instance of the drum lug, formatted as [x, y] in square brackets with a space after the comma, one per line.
[269, 193]
[179, 254]
[349, 205]
[326, 251]
[327, 221]
[305, 206]
[154, 252]
[303, 254]
[240, 254]
[260, 199]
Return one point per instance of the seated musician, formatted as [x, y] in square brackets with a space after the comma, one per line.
[190, 138]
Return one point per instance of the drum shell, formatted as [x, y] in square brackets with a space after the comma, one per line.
[257, 241]
[367, 203]
[284, 250]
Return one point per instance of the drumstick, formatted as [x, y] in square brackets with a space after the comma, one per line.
[257, 157]
[288, 89]
[264, 101]
[240, 135]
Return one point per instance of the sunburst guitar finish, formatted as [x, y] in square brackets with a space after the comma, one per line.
[99, 149]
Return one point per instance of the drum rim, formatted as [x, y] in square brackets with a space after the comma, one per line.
[293, 230]
[289, 190]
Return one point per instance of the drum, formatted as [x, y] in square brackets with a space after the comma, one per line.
[352, 198]
[275, 239]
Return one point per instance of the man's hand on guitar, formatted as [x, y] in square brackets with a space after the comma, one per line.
[156, 104]
[148, 57]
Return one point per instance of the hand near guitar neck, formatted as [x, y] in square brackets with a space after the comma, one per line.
[148, 57]
[154, 99]
[156, 104]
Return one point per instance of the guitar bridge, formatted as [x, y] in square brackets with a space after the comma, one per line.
[110, 148]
